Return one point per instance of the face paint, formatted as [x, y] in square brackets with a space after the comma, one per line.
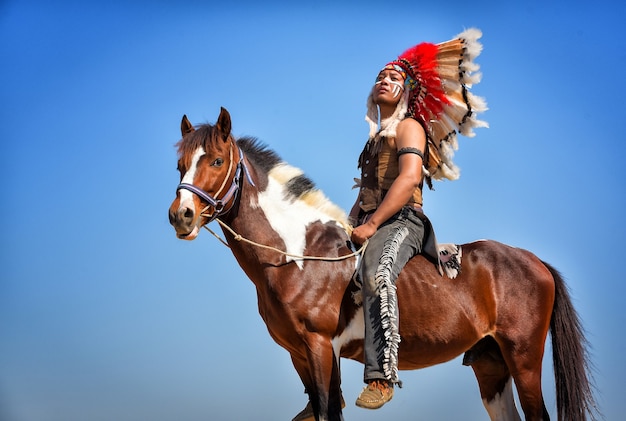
[396, 87]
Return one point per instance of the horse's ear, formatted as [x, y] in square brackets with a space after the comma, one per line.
[223, 123]
[185, 126]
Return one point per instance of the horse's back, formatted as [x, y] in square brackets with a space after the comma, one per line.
[484, 263]
[496, 286]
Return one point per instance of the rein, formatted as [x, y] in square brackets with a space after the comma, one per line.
[238, 237]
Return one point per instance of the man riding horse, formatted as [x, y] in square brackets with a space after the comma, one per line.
[293, 245]
[414, 110]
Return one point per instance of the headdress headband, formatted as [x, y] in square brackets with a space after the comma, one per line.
[409, 80]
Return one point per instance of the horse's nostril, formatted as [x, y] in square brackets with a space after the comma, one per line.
[186, 214]
[172, 215]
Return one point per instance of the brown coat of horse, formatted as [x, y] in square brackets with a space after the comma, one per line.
[498, 311]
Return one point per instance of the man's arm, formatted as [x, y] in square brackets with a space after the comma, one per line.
[409, 134]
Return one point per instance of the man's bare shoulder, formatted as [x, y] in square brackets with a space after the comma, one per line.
[410, 131]
[410, 124]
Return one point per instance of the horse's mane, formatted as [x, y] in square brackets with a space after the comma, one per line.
[296, 184]
[260, 155]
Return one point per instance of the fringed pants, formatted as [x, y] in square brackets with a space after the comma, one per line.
[388, 250]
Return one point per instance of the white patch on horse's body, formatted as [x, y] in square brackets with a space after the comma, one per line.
[355, 330]
[502, 406]
[186, 197]
[290, 216]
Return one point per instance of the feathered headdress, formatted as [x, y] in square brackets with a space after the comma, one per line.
[437, 82]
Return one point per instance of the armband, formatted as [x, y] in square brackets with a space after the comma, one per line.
[416, 151]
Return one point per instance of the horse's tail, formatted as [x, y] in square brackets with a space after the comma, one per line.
[572, 371]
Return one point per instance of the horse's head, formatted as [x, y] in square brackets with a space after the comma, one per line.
[209, 166]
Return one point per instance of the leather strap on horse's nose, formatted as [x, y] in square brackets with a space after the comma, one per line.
[200, 193]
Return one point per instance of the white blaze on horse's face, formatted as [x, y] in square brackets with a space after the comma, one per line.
[186, 197]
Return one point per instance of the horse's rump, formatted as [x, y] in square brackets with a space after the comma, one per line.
[442, 317]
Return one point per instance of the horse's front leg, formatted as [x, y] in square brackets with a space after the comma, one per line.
[302, 367]
[319, 371]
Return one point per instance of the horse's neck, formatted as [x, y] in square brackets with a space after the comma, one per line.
[250, 234]
[273, 231]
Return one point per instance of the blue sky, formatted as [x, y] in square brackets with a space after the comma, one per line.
[105, 315]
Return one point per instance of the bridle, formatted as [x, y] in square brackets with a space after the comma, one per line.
[219, 203]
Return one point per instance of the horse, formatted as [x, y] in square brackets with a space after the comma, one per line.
[294, 245]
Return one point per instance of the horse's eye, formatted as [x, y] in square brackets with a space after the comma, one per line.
[218, 162]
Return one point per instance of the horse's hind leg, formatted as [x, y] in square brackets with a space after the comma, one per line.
[523, 353]
[526, 371]
[494, 380]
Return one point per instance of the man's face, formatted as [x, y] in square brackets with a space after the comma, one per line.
[389, 87]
